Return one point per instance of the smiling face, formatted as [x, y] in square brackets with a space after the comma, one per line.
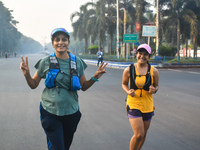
[142, 56]
[60, 43]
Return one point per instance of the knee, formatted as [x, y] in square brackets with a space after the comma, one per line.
[139, 136]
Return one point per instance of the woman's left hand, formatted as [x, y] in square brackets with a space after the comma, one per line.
[100, 71]
[152, 89]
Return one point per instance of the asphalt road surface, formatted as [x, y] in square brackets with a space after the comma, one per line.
[104, 124]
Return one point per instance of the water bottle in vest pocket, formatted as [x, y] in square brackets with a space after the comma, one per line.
[75, 83]
[50, 78]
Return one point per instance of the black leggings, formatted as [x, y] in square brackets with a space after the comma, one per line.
[59, 129]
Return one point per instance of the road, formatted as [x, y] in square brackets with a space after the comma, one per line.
[104, 124]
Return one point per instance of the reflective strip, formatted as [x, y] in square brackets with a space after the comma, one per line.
[73, 65]
[53, 59]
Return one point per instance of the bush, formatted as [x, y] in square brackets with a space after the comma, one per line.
[93, 49]
[167, 51]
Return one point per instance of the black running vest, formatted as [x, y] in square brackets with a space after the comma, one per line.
[133, 76]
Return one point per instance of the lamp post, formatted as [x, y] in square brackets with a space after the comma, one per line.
[117, 28]
[125, 45]
[1, 39]
[157, 29]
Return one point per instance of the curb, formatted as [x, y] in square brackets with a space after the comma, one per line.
[181, 66]
[123, 65]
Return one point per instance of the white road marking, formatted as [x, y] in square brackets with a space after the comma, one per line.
[175, 70]
[184, 71]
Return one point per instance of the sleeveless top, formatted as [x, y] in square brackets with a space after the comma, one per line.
[142, 100]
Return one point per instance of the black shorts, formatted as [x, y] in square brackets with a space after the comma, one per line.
[59, 129]
[136, 113]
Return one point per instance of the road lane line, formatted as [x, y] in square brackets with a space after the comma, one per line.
[193, 72]
[184, 71]
[175, 70]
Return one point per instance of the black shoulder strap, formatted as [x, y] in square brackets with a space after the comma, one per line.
[148, 73]
[132, 75]
[148, 79]
[149, 67]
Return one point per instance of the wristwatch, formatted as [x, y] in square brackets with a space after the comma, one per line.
[155, 91]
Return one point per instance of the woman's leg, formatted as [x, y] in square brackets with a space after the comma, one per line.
[70, 123]
[53, 129]
[146, 127]
[137, 125]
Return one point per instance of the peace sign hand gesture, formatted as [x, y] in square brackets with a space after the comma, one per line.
[100, 71]
[24, 66]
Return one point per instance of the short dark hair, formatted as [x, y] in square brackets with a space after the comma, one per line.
[142, 50]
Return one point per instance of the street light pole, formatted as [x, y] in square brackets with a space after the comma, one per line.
[157, 29]
[125, 45]
[1, 41]
[117, 28]
[0, 37]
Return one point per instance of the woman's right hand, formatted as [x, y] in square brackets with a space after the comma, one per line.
[131, 92]
[24, 66]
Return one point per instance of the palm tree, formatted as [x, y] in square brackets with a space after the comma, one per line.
[174, 15]
[96, 23]
[110, 23]
[179, 14]
[185, 31]
[193, 7]
[141, 7]
[79, 26]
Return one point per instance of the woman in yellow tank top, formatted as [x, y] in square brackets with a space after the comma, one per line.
[139, 85]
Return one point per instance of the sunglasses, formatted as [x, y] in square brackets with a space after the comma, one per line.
[59, 30]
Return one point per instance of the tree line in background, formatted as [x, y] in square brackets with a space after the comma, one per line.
[11, 40]
[179, 22]
[95, 24]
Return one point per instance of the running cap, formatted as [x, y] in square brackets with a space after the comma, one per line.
[146, 47]
[61, 30]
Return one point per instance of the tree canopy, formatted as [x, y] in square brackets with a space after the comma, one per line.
[11, 40]
[179, 21]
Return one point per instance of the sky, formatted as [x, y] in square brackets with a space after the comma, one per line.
[37, 18]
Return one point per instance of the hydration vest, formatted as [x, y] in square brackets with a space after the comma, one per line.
[133, 76]
[54, 69]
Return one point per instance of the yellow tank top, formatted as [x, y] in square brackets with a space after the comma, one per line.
[144, 103]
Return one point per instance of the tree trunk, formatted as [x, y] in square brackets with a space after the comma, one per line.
[99, 43]
[111, 44]
[186, 48]
[91, 42]
[178, 37]
[86, 40]
[195, 47]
